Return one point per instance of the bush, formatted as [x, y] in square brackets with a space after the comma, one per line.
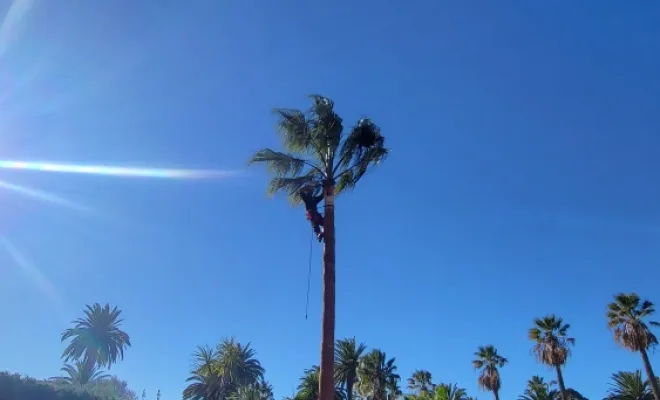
[15, 387]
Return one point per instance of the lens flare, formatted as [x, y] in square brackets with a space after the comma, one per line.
[43, 196]
[126, 172]
[31, 270]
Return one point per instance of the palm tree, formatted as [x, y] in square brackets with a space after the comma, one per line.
[237, 364]
[420, 381]
[447, 391]
[347, 361]
[308, 388]
[552, 345]
[629, 386]
[96, 339]
[219, 373]
[79, 374]
[626, 317]
[205, 382]
[393, 389]
[316, 157]
[489, 362]
[376, 373]
[538, 389]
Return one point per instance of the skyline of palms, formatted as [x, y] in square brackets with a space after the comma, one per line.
[320, 157]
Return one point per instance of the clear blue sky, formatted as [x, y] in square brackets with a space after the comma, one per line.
[523, 180]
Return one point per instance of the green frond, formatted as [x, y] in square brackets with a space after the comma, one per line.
[280, 164]
[294, 128]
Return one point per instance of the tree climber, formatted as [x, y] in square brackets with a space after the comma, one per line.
[311, 209]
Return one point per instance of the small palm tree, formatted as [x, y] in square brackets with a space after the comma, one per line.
[393, 389]
[552, 345]
[376, 373]
[79, 374]
[96, 339]
[538, 389]
[489, 362]
[626, 317]
[308, 388]
[347, 361]
[238, 364]
[449, 392]
[629, 386]
[206, 381]
[421, 381]
[320, 157]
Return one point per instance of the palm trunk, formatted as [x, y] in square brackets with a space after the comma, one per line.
[560, 382]
[349, 387]
[497, 394]
[326, 378]
[650, 375]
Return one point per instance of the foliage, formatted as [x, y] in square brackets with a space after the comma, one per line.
[377, 374]
[15, 387]
[317, 152]
[420, 381]
[96, 339]
[80, 373]
[629, 386]
[348, 354]
[552, 343]
[219, 373]
[538, 389]
[626, 318]
[308, 387]
[489, 362]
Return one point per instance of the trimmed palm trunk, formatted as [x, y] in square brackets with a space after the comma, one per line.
[326, 378]
[560, 382]
[650, 375]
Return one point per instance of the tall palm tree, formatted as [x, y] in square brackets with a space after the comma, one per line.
[629, 386]
[347, 361]
[319, 156]
[489, 362]
[421, 381]
[626, 317]
[552, 345]
[96, 339]
[538, 389]
[376, 373]
[80, 374]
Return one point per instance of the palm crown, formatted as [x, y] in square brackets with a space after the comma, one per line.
[96, 338]
[552, 341]
[317, 153]
[629, 386]
[489, 362]
[626, 317]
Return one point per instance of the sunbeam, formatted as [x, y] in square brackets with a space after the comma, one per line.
[38, 278]
[127, 172]
[44, 196]
[11, 24]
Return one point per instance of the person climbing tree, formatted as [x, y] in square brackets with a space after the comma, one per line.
[311, 209]
[318, 152]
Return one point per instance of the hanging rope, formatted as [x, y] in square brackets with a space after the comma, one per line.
[309, 273]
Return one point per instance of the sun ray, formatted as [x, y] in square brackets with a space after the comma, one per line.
[11, 24]
[126, 172]
[44, 196]
[32, 272]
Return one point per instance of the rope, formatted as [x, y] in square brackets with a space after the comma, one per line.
[309, 273]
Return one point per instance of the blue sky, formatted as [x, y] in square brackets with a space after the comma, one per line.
[522, 180]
